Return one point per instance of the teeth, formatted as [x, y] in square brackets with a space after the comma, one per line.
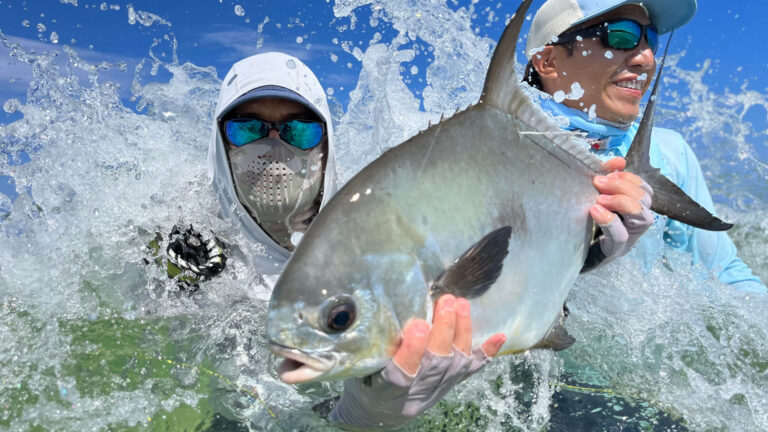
[634, 85]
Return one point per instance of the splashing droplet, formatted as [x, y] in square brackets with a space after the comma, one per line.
[40, 27]
[11, 106]
[54, 37]
[239, 11]
[291, 64]
[296, 238]
[576, 91]
[609, 54]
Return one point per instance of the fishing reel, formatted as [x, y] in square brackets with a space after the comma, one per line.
[189, 258]
[188, 251]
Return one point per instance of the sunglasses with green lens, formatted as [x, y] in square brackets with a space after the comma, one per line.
[302, 134]
[621, 34]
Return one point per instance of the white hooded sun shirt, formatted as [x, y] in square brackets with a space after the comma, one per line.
[269, 69]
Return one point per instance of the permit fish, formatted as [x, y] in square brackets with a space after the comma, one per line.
[491, 204]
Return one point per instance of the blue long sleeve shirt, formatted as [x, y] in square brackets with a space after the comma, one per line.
[673, 156]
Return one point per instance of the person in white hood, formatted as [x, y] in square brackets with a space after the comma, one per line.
[271, 154]
[271, 158]
[272, 164]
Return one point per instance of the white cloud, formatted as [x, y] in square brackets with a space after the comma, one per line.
[233, 45]
[225, 47]
[244, 43]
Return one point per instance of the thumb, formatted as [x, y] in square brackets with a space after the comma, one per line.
[413, 346]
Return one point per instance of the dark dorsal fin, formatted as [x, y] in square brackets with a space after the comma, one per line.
[476, 269]
[668, 199]
[502, 68]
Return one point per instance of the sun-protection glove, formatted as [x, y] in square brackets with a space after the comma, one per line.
[620, 234]
[391, 397]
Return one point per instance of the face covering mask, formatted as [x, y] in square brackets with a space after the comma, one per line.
[278, 184]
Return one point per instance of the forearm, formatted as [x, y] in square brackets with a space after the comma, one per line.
[738, 275]
[391, 398]
[755, 286]
[718, 253]
[359, 409]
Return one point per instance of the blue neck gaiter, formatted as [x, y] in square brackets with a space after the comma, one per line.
[605, 139]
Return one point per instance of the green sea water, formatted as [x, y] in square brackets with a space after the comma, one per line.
[95, 339]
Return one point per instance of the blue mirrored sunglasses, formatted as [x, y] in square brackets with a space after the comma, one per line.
[621, 34]
[302, 134]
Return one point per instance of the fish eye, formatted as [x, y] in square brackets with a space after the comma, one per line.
[340, 315]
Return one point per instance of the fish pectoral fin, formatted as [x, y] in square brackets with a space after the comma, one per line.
[476, 269]
[669, 200]
[557, 338]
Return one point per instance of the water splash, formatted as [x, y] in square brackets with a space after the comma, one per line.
[728, 130]
[683, 343]
[147, 19]
[96, 185]
[94, 337]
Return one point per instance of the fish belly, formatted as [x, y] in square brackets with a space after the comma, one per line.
[477, 172]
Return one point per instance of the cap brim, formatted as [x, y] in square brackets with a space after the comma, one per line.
[271, 91]
[664, 14]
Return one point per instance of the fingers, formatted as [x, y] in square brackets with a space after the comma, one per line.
[444, 326]
[620, 183]
[413, 346]
[451, 326]
[463, 337]
[615, 164]
[601, 215]
[620, 193]
[493, 344]
[621, 204]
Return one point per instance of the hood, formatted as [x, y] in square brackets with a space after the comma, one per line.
[269, 69]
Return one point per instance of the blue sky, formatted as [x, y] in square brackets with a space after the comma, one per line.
[218, 32]
[210, 32]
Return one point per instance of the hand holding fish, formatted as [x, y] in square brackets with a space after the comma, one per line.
[622, 212]
[461, 207]
[425, 367]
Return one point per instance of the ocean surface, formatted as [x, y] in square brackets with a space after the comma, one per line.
[101, 151]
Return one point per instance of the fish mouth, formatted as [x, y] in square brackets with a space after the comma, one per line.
[299, 366]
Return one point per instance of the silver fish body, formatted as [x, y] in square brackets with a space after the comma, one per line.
[496, 191]
[397, 225]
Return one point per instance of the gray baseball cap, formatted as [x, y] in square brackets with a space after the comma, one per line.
[556, 16]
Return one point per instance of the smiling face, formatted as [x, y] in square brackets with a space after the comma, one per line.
[614, 81]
